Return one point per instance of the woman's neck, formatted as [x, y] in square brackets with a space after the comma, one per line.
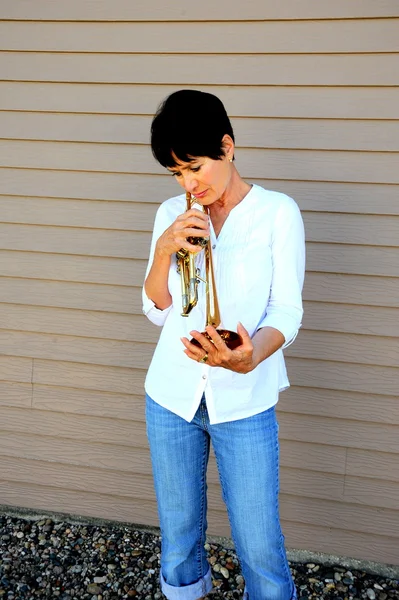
[236, 191]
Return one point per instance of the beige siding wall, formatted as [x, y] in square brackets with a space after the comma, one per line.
[313, 92]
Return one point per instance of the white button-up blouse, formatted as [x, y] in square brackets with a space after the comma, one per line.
[259, 262]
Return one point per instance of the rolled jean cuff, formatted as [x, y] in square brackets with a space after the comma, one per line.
[193, 591]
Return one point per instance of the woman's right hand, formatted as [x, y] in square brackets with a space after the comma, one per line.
[193, 223]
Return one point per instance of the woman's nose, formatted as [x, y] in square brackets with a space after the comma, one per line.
[190, 183]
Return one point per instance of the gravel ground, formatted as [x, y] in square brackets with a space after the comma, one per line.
[67, 561]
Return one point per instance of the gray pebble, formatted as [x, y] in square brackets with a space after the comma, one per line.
[93, 588]
[225, 572]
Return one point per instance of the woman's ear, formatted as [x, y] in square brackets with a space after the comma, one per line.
[228, 146]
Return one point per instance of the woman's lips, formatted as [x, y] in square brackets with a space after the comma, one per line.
[201, 195]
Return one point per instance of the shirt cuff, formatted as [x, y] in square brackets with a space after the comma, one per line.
[154, 314]
[286, 324]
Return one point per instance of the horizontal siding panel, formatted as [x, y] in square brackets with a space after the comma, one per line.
[116, 483]
[124, 10]
[85, 296]
[354, 289]
[340, 404]
[117, 271]
[137, 460]
[299, 428]
[311, 134]
[359, 260]
[87, 402]
[339, 197]
[373, 230]
[303, 372]
[13, 368]
[316, 134]
[77, 349]
[80, 453]
[341, 542]
[101, 323]
[75, 427]
[310, 195]
[122, 129]
[243, 69]
[76, 240]
[347, 258]
[92, 454]
[96, 455]
[318, 402]
[345, 318]
[139, 216]
[319, 288]
[122, 406]
[85, 269]
[377, 465]
[339, 432]
[320, 227]
[94, 324]
[240, 101]
[15, 394]
[327, 346]
[47, 499]
[78, 478]
[364, 519]
[341, 376]
[372, 492]
[345, 347]
[134, 216]
[88, 186]
[378, 35]
[140, 486]
[312, 484]
[316, 457]
[93, 377]
[376, 167]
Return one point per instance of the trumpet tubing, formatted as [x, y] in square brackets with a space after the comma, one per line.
[189, 277]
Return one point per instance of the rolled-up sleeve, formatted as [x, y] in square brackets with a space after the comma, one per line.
[284, 309]
[154, 314]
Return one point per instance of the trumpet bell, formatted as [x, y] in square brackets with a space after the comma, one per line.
[230, 338]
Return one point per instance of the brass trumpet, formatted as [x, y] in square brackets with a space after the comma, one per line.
[190, 279]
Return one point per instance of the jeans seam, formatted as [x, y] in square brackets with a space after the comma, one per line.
[281, 544]
[201, 540]
[227, 505]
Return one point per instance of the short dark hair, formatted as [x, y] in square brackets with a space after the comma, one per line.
[187, 124]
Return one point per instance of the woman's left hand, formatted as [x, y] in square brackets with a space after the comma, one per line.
[240, 360]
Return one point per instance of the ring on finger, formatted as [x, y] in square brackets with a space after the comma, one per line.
[204, 358]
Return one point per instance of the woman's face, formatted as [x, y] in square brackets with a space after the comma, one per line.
[205, 178]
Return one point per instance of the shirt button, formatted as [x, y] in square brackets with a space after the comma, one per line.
[204, 377]
[214, 246]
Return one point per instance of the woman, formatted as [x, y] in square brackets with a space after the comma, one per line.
[197, 394]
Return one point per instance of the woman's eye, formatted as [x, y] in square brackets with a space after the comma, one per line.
[176, 174]
[195, 169]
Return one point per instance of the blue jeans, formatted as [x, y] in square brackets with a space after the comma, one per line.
[247, 455]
